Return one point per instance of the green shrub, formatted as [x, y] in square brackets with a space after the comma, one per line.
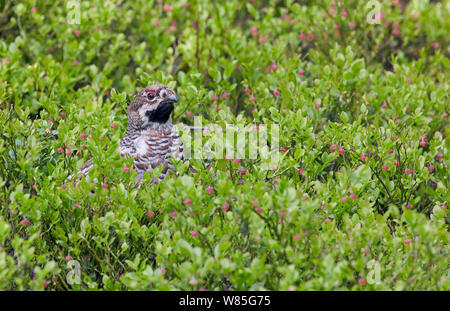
[357, 202]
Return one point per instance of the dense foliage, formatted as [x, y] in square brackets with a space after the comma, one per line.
[358, 201]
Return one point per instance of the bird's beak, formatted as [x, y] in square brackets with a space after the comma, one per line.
[171, 99]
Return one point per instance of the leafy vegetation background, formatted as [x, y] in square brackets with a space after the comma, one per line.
[358, 201]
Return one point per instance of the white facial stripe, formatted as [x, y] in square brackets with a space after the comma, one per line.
[142, 111]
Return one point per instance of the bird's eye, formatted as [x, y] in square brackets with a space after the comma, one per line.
[151, 94]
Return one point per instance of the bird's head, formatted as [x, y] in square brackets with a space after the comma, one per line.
[153, 104]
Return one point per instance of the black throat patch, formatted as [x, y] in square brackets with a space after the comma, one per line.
[161, 114]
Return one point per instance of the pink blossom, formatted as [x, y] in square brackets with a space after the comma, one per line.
[333, 148]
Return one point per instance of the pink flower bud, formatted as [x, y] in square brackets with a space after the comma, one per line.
[333, 148]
